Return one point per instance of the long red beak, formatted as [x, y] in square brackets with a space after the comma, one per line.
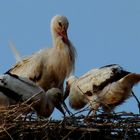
[64, 36]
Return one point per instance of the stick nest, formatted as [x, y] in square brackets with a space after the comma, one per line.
[15, 124]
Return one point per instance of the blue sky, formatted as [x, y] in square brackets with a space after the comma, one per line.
[103, 32]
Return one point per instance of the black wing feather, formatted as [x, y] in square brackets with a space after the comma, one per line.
[117, 74]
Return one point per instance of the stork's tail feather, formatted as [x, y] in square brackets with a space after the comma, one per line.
[131, 79]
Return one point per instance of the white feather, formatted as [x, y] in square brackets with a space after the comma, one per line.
[15, 52]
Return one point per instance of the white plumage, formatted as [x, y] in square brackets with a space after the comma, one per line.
[50, 66]
[105, 87]
[15, 52]
[15, 89]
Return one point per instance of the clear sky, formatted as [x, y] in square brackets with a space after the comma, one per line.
[103, 32]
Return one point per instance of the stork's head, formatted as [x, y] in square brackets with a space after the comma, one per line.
[59, 26]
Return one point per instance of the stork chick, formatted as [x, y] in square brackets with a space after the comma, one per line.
[53, 98]
[15, 89]
[50, 66]
[106, 87]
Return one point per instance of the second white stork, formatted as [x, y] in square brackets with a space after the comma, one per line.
[106, 87]
[15, 89]
[50, 66]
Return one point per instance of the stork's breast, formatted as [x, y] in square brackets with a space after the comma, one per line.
[77, 99]
[77, 103]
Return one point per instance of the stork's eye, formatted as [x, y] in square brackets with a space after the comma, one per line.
[60, 24]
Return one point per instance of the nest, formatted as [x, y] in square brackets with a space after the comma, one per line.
[15, 124]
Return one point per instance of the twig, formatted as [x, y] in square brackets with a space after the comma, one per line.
[7, 133]
[65, 137]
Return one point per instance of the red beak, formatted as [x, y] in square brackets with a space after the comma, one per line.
[64, 36]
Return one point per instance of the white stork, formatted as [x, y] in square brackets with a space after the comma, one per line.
[50, 66]
[15, 89]
[105, 87]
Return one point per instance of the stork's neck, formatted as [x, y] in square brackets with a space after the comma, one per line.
[59, 41]
[66, 48]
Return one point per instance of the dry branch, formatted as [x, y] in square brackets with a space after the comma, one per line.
[14, 124]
